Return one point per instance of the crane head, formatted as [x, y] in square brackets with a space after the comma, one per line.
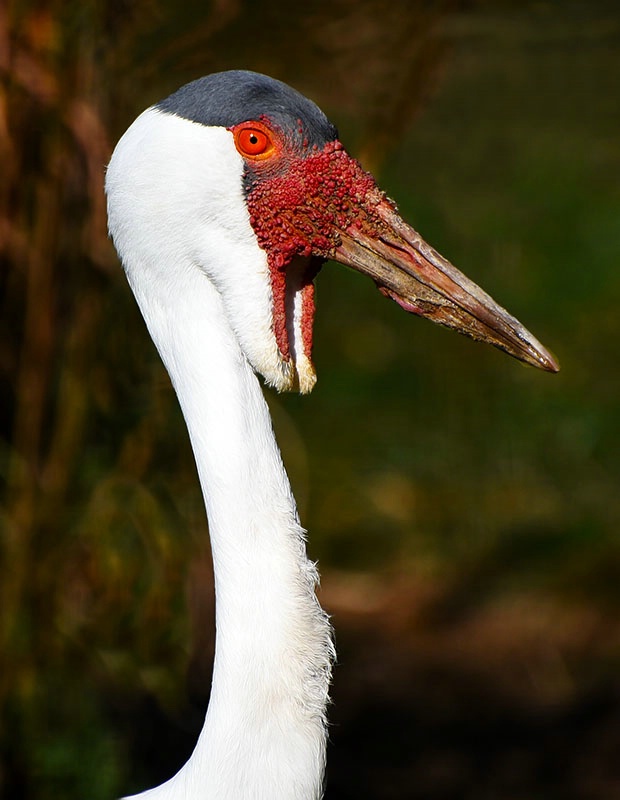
[253, 187]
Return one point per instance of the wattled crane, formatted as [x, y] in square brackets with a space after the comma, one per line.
[224, 200]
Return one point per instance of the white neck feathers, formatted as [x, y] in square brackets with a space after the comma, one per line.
[264, 733]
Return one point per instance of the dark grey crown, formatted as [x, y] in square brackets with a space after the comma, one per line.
[228, 98]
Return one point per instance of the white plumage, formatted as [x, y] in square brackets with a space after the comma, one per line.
[181, 228]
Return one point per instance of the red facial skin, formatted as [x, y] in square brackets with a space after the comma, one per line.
[308, 204]
[299, 198]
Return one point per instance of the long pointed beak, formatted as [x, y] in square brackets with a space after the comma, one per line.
[421, 281]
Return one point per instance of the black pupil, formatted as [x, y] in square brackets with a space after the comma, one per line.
[253, 138]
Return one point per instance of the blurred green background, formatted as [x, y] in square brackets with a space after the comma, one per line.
[464, 509]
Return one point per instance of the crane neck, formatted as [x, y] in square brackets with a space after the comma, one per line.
[264, 734]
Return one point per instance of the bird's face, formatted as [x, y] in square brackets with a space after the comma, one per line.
[283, 197]
[301, 200]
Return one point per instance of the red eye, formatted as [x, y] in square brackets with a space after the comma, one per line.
[253, 141]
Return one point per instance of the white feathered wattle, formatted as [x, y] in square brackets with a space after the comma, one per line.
[181, 227]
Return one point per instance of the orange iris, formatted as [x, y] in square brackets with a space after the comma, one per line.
[253, 140]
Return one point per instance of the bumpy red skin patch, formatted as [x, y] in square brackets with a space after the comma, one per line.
[298, 206]
[308, 307]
